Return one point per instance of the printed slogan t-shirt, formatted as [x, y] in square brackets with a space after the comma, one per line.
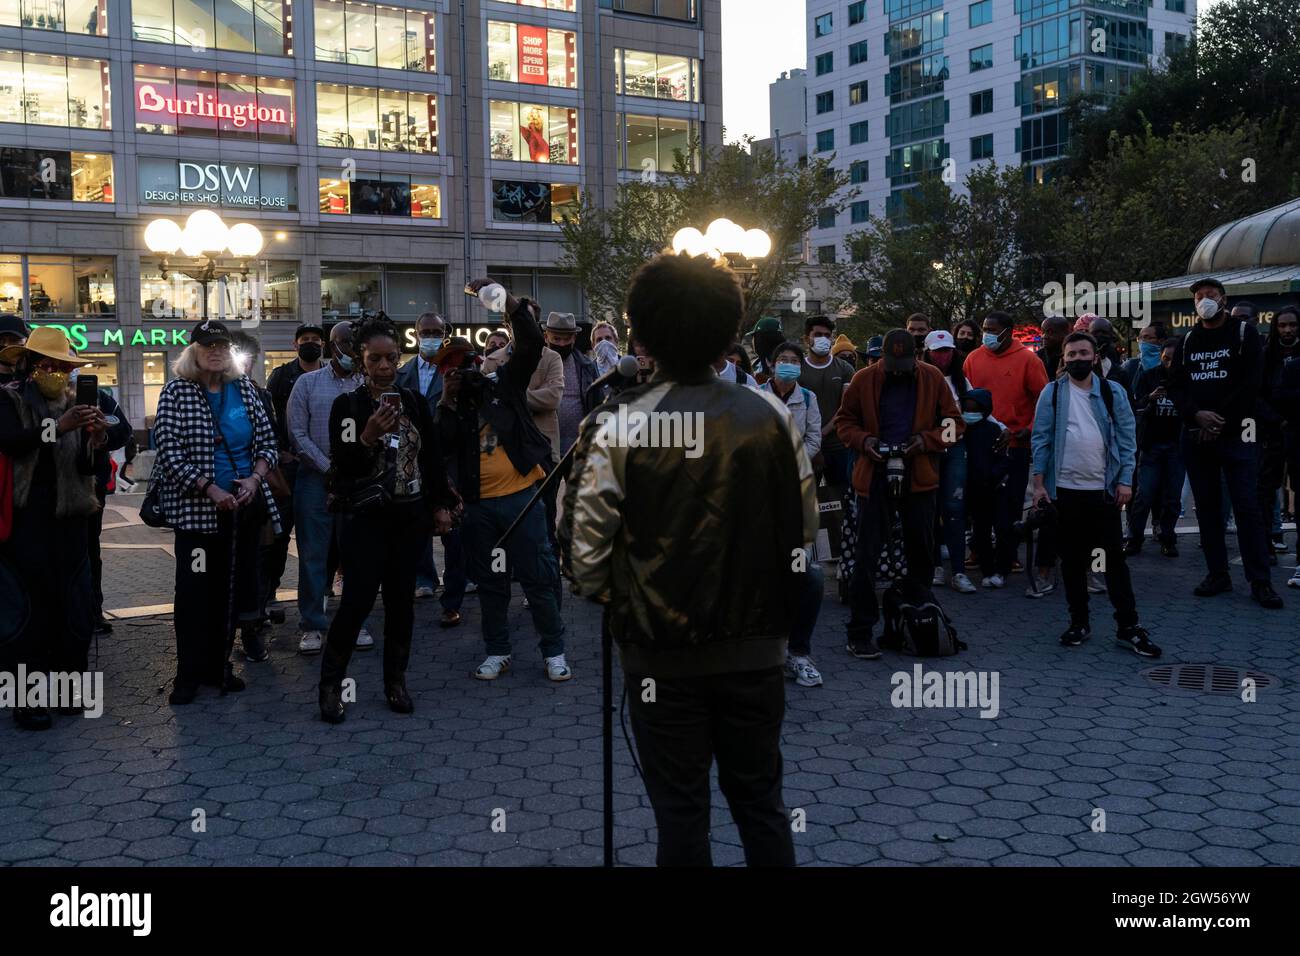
[1220, 371]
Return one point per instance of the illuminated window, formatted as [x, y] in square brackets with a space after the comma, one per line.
[56, 174]
[362, 117]
[368, 34]
[380, 195]
[657, 142]
[531, 203]
[533, 133]
[243, 26]
[65, 287]
[658, 76]
[66, 16]
[48, 90]
[518, 53]
[204, 103]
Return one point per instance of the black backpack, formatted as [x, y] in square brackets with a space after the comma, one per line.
[916, 625]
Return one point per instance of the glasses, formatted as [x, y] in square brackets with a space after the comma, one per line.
[219, 346]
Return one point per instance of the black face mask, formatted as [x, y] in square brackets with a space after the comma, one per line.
[920, 343]
[309, 351]
[966, 346]
[1079, 369]
[564, 351]
[1104, 343]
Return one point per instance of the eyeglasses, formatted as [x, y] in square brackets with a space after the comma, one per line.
[218, 346]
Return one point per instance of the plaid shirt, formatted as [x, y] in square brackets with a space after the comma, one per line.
[184, 434]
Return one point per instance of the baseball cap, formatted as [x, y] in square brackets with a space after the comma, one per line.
[209, 331]
[305, 328]
[1210, 281]
[940, 339]
[899, 351]
[875, 345]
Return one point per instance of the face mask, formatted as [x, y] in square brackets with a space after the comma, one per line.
[346, 363]
[967, 345]
[310, 351]
[787, 371]
[1079, 369]
[942, 359]
[1288, 340]
[1150, 352]
[51, 384]
[1207, 308]
[1104, 342]
[972, 418]
[920, 343]
[991, 341]
[821, 345]
[429, 346]
[564, 351]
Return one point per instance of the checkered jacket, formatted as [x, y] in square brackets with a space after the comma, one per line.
[185, 438]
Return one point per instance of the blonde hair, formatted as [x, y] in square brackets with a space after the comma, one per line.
[187, 366]
[603, 324]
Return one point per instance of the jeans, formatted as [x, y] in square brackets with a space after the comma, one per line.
[808, 607]
[380, 548]
[315, 531]
[1088, 520]
[426, 569]
[528, 559]
[874, 514]
[1159, 489]
[1212, 466]
[215, 574]
[952, 507]
[1008, 506]
[735, 718]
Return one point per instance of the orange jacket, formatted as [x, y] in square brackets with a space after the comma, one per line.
[937, 420]
[1014, 378]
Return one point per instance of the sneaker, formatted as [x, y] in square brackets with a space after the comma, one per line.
[1169, 549]
[1043, 585]
[864, 649]
[1262, 593]
[364, 641]
[424, 592]
[1138, 640]
[1231, 527]
[493, 667]
[255, 651]
[962, 584]
[1213, 584]
[1076, 634]
[557, 668]
[940, 579]
[995, 581]
[471, 587]
[1016, 566]
[1295, 579]
[527, 604]
[309, 642]
[1095, 584]
[803, 671]
[1279, 543]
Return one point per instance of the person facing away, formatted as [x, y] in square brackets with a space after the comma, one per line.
[697, 594]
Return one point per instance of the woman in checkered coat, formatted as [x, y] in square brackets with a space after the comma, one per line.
[215, 447]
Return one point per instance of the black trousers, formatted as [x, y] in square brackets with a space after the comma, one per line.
[95, 528]
[735, 718]
[273, 556]
[1008, 508]
[215, 574]
[874, 516]
[1086, 521]
[380, 548]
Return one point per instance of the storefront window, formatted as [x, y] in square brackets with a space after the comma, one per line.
[65, 287]
[171, 182]
[349, 291]
[102, 365]
[273, 360]
[362, 117]
[657, 75]
[531, 203]
[368, 34]
[11, 284]
[518, 53]
[55, 174]
[69, 16]
[155, 377]
[244, 26]
[569, 5]
[404, 292]
[204, 103]
[533, 133]
[49, 90]
[655, 142]
[268, 291]
[380, 195]
[559, 292]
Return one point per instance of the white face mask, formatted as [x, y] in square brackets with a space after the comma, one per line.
[1207, 308]
[821, 345]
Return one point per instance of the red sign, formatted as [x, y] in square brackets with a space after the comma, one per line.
[236, 110]
[532, 55]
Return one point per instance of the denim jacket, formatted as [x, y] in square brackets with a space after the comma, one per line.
[1119, 437]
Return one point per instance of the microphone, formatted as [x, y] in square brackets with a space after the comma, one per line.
[624, 373]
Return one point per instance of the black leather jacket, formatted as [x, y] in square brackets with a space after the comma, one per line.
[694, 548]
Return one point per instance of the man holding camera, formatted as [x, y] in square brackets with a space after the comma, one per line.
[1084, 453]
[899, 415]
[498, 457]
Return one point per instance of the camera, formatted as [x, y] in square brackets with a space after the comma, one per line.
[895, 466]
[1036, 518]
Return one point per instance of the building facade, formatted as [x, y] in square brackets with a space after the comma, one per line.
[387, 153]
[901, 88]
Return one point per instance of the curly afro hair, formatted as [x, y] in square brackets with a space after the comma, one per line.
[686, 310]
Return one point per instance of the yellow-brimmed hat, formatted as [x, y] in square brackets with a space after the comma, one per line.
[46, 342]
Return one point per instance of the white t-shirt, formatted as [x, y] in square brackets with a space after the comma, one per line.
[1083, 466]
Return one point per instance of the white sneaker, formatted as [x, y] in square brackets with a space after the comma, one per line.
[940, 579]
[1095, 584]
[364, 641]
[424, 592]
[1295, 579]
[527, 605]
[962, 584]
[471, 587]
[1041, 587]
[557, 669]
[803, 671]
[493, 667]
[995, 581]
[309, 642]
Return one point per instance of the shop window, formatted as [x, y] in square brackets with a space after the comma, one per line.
[11, 284]
[48, 90]
[65, 16]
[155, 377]
[273, 360]
[362, 117]
[374, 195]
[242, 26]
[55, 174]
[268, 290]
[404, 292]
[367, 34]
[62, 287]
[532, 203]
[534, 133]
[103, 365]
[658, 75]
[569, 5]
[180, 101]
[518, 53]
[656, 142]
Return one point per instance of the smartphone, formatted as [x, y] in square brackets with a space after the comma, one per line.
[88, 390]
[392, 399]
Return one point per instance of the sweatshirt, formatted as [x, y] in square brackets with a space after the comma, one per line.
[1015, 378]
[1218, 370]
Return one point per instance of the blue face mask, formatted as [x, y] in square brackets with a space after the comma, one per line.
[429, 346]
[1150, 354]
[345, 362]
[787, 371]
[991, 341]
[972, 418]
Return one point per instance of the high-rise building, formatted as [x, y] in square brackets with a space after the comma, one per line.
[787, 99]
[388, 153]
[898, 88]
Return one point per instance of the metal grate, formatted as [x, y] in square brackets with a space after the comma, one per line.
[1207, 678]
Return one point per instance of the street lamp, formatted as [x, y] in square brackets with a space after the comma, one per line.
[205, 236]
[723, 238]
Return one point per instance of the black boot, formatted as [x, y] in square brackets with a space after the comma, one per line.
[183, 692]
[399, 701]
[33, 718]
[331, 705]
[1213, 584]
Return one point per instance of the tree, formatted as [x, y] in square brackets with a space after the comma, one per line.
[603, 247]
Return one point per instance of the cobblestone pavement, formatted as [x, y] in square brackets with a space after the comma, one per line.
[1184, 778]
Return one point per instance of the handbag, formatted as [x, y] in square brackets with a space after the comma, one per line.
[151, 512]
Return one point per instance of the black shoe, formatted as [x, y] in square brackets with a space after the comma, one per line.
[1076, 634]
[1138, 640]
[33, 718]
[449, 619]
[227, 683]
[102, 628]
[1213, 584]
[1133, 548]
[254, 647]
[1262, 593]
[1169, 549]
[864, 649]
[399, 701]
[331, 705]
[182, 693]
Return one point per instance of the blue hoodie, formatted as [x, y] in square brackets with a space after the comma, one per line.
[985, 468]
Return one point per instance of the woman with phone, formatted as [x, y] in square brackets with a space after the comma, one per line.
[53, 499]
[216, 445]
[388, 481]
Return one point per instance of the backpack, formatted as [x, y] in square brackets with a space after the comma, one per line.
[918, 627]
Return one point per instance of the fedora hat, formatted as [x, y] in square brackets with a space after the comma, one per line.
[561, 322]
[46, 342]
